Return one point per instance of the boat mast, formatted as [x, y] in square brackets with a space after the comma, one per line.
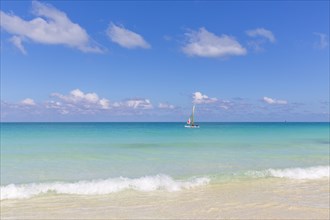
[192, 116]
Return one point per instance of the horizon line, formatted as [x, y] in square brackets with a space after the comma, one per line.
[183, 122]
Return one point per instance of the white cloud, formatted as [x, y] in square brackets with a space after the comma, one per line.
[17, 41]
[28, 101]
[274, 101]
[105, 104]
[134, 104]
[51, 26]
[262, 32]
[60, 107]
[80, 99]
[225, 104]
[165, 106]
[126, 38]
[90, 103]
[53, 104]
[323, 41]
[206, 44]
[199, 98]
[77, 95]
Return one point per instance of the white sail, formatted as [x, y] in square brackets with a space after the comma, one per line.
[191, 120]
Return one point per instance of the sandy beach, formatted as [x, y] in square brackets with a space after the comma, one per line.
[259, 199]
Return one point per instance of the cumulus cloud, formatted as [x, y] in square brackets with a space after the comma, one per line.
[26, 108]
[28, 102]
[274, 101]
[199, 98]
[51, 26]
[206, 44]
[262, 32]
[104, 103]
[165, 106]
[134, 104]
[322, 42]
[81, 99]
[126, 38]
[90, 103]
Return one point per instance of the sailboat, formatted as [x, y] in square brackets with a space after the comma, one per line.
[191, 122]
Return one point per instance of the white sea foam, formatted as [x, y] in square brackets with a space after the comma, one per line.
[317, 172]
[100, 187]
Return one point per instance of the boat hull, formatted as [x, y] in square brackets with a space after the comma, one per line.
[192, 126]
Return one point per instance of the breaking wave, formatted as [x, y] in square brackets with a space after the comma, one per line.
[100, 187]
[146, 183]
[317, 172]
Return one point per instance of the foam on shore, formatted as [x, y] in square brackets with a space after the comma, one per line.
[100, 187]
[317, 172]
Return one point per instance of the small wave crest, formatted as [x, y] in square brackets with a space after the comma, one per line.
[100, 187]
[317, 172]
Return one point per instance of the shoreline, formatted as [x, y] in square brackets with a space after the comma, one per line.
[260, 198]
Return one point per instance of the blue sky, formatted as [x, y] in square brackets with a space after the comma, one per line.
[150, 61]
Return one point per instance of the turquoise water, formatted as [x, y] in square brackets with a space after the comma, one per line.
[35, 153]
[68, 152]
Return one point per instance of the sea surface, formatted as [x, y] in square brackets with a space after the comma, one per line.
[149, 161]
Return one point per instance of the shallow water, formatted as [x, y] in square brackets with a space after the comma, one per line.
[163, 165]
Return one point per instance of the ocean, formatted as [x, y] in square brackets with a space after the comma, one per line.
[131, 170]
